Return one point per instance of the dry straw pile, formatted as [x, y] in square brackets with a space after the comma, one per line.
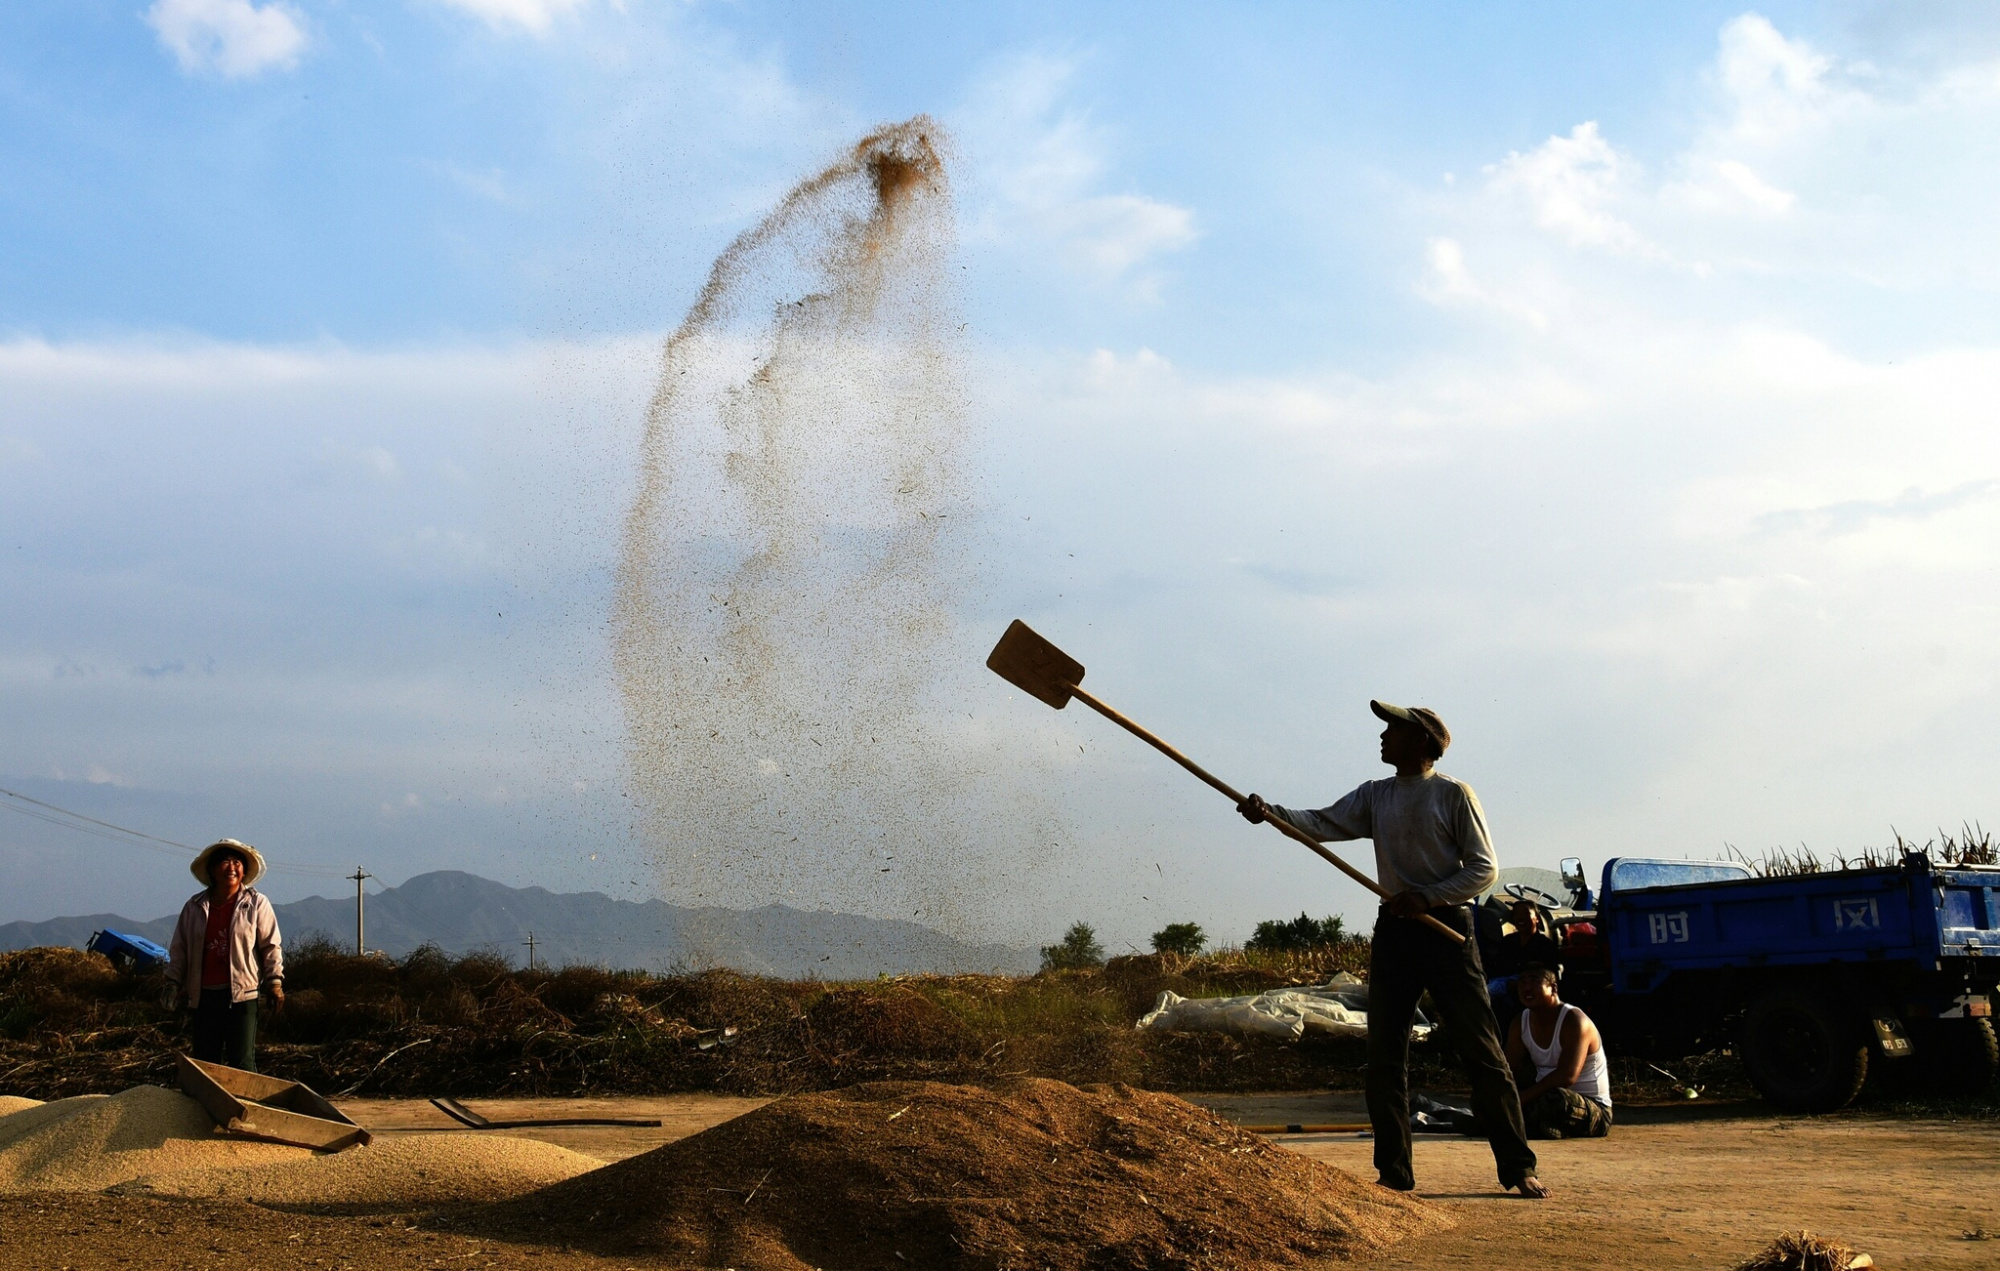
[1804, 1251]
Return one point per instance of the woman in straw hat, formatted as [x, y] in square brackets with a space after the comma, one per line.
[225, 950]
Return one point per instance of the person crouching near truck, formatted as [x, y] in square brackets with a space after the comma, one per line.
[1570, 1094]
[225, 951]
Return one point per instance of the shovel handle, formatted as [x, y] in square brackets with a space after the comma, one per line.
[1277, 822]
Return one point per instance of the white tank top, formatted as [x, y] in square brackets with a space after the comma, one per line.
[1593, 1083]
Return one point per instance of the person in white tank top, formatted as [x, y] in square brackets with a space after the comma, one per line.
[1570, 1095]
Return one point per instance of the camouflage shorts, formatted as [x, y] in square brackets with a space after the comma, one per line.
[1565, 1114]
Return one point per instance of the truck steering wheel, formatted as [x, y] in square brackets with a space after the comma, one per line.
[1533, 895]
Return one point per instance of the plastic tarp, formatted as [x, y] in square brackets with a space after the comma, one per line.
[1338, 1008]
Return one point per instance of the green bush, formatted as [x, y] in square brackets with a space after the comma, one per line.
[1184, 938]
[1078, 951]
[1297, 935]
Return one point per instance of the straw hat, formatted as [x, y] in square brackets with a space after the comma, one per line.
[254, 861]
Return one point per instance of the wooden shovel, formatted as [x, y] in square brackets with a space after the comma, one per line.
[1043, 671]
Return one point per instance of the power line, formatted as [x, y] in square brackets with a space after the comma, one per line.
[13, 794]
[41, 811]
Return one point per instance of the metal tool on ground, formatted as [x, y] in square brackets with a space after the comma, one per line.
[1046, 673]
[1344, 1127]
[1682, 1090]
[251, 1105]
[473, 1121]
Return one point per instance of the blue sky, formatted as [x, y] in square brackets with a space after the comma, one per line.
[1615, 379]
[409, 170]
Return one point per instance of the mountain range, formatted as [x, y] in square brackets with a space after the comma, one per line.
[461, 912]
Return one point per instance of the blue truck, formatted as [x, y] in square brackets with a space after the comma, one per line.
[1809, 978]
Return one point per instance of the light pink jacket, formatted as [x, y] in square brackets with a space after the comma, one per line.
[256, 954]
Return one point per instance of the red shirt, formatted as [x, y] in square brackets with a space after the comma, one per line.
[215, 945]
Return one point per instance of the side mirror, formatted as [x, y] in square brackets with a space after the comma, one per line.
[1572, 873]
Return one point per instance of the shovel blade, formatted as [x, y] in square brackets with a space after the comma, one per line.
[1034, 666]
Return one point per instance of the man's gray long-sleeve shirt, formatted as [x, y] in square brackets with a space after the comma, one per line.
[1430, 835]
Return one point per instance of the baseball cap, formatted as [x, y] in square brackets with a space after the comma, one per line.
[1422, 716]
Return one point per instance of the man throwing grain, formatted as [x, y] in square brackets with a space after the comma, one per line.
[1432, 856]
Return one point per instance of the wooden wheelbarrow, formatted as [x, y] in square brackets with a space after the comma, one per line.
[250, 1105]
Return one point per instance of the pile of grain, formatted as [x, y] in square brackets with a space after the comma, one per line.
[421, 1169]
[917, 1174]
[93, 1141]
[12, 1103]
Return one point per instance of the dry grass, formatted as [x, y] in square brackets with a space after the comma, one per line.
[1972, 845]
[1801, 1251]
[433, 1024]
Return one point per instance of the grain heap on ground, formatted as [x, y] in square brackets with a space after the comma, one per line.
[12, 1103]
[152, 1141]
[93, 1141]
[918, 1174]
[421, 1169]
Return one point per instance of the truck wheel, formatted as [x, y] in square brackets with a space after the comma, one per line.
[1954, 1057]
[1803, 1051]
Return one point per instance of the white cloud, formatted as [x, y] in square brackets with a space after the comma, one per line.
[1763, 560]
[232, 38]
[1728, 187]
[1776, 85]
[1036, 175]
[1450, 282]
[1799, 164]
[444, 553]
[391, 809]
[1116, 233]
[341, 462]
[379, 461]
[1689, 529]
[1570, 183]
[534, 16]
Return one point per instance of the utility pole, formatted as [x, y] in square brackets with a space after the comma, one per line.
[360, 931]
[530, 942]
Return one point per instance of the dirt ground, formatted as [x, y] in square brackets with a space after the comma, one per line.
[1709, 1193]
[1684, 1186]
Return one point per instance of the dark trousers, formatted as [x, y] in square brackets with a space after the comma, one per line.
[1565, 1114]
[1407, 959]
[226, 1032]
